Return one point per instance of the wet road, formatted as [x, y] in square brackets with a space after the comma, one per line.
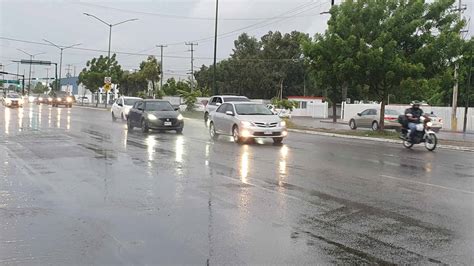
[76, 188]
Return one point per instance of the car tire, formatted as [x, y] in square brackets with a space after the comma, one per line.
[277, 140]
[212, 131]
[113, 117]
[375, 126]
[235, 134]
[352, 124]
[145, 128]
[129, 125]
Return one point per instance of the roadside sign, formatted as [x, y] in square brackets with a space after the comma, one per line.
[107, 87]
[108, 80]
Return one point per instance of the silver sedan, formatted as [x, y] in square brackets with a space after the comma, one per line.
[246, 120]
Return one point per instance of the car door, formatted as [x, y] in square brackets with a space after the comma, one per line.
[136, 113]
[373, 116]
[228, 119]
[219, 116]
[362, 120]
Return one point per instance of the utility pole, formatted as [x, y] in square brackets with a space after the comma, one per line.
[47, 77]
[192, 62]
[214, 81]
[454, 118]
[32, 56]
[161, 64]
[468, 90]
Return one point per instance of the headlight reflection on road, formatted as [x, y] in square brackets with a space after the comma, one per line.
[150, 143]
[179, 149]
[208, 149]
[58, 118]
[20, 119]
[30, 116]
[283, 170]
[68, 124]
[7, 121]
[49, 117]
[244, 164]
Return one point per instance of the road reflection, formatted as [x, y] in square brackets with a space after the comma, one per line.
[7, 121]
[20, 119]
[244, 164]
[68, 119]
[58, 118]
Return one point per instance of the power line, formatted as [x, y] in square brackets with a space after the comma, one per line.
[293, 10]
[192, 44]
[171, 16]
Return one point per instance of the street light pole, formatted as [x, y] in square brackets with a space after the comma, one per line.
[214, 82]
[31, 59]
[110, 25]
[61, 48]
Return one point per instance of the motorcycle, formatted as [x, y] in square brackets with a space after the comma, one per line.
[424, 134]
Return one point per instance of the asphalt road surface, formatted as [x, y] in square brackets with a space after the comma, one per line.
[77, 188]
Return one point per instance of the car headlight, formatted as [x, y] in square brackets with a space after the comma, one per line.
[429, 124]
[58, 99]
[31, 98]
[20, 101]
[282, 124]
[40, 98]
[152, 117]
[50, 99]
[69, 99]
[8, 101]
[180, 117]
[246, 123]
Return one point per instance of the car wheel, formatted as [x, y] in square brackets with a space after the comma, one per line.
[375, 126]
[277, 140]
[113, 117]
[212, 131]
[352, 124]
[236, 135]
[129, 125]
[145, 127]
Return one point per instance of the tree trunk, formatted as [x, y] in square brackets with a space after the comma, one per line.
[334, 112]
[382, 114]
[97, 102]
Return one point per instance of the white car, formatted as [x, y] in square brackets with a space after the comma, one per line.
[13, 100]
[122, 106]
[83, 99]
[215, 101]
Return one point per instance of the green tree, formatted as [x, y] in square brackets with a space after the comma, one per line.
[92, 76]
[132, 83]
[40, 88]
[190, 98]
[150, 69]
[385, 47]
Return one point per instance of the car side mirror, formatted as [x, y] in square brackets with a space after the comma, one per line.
[359, 114]
[176, 108]
[140, 109]
[218, 104]
[119, 104]
[229, 113]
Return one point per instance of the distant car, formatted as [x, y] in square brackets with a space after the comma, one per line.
[215, 101]
[437, 122]
[13, 100]
[32, 98]
[246, 120]
[61, 98]
[83, 99]
[370, 118]
[154, 114]
[122, 106]
[43, 98]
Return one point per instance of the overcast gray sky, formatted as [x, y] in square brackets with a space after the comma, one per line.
[171, 22]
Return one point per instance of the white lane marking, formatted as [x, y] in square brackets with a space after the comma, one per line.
[428, 184]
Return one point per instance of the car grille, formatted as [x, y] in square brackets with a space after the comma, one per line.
[259, 134]
[172, 120]
[14, 102]
[259, 124]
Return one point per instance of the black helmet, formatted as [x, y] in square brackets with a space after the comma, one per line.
[415, 104]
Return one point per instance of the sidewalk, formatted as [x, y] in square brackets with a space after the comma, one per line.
[315, 123]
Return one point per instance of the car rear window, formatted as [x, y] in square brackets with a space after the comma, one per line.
[236, 99]
[130, 101]
[391, 112]
[13, 96]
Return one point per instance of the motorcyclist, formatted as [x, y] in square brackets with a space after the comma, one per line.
[413, 115]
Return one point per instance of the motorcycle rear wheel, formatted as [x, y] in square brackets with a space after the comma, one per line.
[407, 144]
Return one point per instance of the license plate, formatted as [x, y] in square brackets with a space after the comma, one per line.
[168, 123]
[267, 132]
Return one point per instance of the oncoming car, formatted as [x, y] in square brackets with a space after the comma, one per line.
[245, 121]
[13, 100]
[122, 106]
[155, 114]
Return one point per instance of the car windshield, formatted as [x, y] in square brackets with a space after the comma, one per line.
[392, 112]
[236, 99]
[158, 106]
[130, 101]
[252, 109]
[13, 96]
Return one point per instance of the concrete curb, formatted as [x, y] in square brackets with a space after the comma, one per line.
[92, 108]
[310, 132]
